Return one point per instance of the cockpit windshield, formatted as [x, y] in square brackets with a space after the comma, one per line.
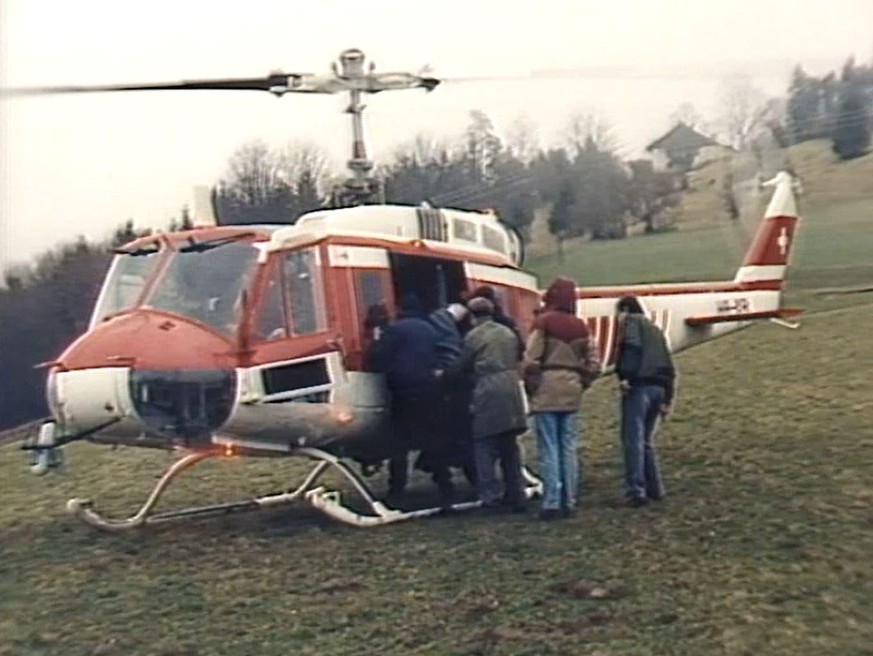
[204, 282]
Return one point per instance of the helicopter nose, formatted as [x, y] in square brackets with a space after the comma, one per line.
[168, 375]
[183, 404]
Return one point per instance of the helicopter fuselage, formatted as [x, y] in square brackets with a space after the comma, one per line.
[255, 339]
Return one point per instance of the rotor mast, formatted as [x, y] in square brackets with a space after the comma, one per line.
[361, 187]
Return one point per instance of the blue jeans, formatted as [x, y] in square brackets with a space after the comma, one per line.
[557, 439]
[640, 410]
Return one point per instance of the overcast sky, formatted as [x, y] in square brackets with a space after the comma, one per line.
[83, 164]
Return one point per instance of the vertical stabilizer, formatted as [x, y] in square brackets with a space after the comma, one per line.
[768, 255]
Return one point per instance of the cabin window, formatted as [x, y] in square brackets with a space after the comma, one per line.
[125, 282]
[465, 230]
[373, 290]
[304, 292]
[493, 239]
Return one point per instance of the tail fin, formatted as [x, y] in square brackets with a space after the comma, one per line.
[768, 255]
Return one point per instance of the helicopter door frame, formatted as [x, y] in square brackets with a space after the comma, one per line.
[437, 281]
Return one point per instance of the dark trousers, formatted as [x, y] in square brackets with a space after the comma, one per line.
[502, 447]
[398, 473]
[640, 411]
[416, 424]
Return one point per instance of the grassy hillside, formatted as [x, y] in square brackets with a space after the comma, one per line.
[763, 546]
[836, 203]
[834, 244]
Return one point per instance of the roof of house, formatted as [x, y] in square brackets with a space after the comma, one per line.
[683, 137]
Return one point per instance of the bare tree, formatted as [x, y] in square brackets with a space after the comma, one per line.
[267, 186]
[584, 128]
[254, 174]
[522, 139]
[686, 113]
[304, 167]
[745, 111]
[483, 147]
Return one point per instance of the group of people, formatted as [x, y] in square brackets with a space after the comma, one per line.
[455, 377]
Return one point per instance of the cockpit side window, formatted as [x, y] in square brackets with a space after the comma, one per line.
[125, 283]
[272, 323]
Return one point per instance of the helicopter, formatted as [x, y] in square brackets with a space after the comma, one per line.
[226, 341]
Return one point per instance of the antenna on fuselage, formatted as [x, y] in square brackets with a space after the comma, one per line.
[204, 207]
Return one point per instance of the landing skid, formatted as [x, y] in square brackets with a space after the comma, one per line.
[317, 496]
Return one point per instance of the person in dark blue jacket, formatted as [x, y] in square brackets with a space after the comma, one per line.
[407, 354]
[454, 446]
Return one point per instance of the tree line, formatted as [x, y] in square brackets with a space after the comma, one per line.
[43, 307]
[835, 107]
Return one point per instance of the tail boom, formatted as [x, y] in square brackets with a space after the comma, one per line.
[695, 312]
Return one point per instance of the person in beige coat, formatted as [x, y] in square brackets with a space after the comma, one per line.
[560, 363]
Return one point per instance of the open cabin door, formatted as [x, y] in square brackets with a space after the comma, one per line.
[436, 282]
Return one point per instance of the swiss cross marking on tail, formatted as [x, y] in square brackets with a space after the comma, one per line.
[782, 241]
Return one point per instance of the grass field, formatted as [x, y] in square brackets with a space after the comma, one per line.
[764, 545]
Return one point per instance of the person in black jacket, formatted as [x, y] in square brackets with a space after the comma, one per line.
[646, 377]
[454, 448]
[407, 354]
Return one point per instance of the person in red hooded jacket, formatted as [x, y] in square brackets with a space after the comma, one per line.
[560, 363]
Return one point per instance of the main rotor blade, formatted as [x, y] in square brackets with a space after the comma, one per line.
[277, 83]
[592, 73]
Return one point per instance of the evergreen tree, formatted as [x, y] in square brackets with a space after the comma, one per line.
[560, 218]
[851, 132]
[805, 110]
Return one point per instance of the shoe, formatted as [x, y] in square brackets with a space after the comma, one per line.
[447, 496]
[549, 514]
[567, 512]
[393, 498]
[637, 502]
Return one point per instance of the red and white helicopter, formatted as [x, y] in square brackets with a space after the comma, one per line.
[250, 340]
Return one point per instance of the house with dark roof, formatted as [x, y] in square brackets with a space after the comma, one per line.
[682, 148]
